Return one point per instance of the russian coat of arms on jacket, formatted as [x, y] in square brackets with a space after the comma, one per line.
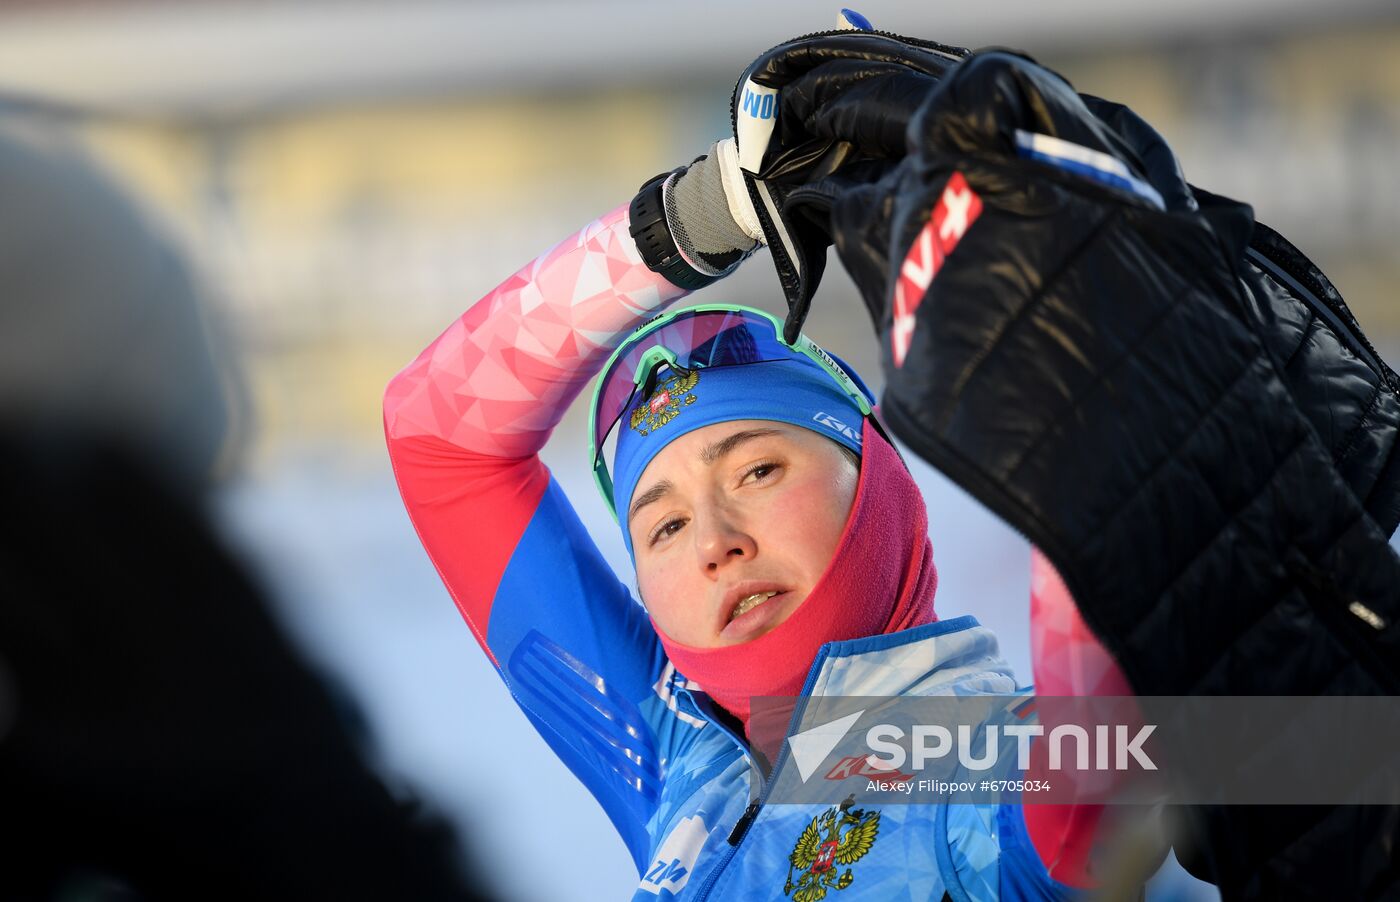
[836, 838]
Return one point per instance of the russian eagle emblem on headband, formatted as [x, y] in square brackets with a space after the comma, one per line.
[665, 402]
[841, 835]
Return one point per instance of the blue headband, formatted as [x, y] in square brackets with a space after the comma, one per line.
[795, 391]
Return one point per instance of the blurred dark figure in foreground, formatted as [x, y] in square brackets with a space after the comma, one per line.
[159, 738]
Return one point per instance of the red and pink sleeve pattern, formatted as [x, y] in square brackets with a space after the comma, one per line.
[465, 419]
[464, 422]
[500, 378]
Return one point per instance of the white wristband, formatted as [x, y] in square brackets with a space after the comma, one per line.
[736, 192]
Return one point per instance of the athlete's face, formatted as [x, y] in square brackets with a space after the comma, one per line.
[727, 514]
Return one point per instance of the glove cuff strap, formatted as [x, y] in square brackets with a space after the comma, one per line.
[652, 234]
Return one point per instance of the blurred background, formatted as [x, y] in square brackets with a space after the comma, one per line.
[347, 178]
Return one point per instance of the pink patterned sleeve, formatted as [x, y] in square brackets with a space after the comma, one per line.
[500, 378]
[465, 419]
[1068, 660]
[464, 422]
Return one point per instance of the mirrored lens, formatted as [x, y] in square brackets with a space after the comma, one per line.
[707, 339]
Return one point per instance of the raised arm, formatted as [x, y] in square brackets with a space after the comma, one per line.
[464, 423]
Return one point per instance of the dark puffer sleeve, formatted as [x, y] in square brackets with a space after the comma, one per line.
[1120, 377]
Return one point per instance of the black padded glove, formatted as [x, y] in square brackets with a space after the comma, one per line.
[829, 105]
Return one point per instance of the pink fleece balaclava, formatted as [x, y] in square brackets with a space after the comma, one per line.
[880, 580]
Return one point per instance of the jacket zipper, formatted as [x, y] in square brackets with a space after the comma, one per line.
[1357, 344]
[1343, 617]
[746, 820]
[742, 825]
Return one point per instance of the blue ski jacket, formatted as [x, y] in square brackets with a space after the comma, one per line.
[464, 422]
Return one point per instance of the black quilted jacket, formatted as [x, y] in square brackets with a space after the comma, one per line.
[1178, 408]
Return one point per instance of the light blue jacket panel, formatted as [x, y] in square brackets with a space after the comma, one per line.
[966, 851]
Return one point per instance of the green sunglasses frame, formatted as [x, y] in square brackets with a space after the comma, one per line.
[658, 355]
